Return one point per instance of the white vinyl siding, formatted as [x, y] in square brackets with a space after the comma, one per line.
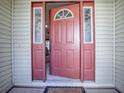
[22, 42]
[119, 44]
[5, 45]
[104, 40]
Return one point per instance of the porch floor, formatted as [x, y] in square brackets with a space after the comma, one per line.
[41, 90]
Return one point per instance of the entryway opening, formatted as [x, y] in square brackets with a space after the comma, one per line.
[48, 50]
[70, 40]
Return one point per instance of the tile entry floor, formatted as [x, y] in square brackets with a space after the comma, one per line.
[41, 90]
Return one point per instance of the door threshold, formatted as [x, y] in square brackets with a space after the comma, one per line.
[53, 78]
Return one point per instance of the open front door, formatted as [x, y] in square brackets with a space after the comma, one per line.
[65, 41]
[38, 41]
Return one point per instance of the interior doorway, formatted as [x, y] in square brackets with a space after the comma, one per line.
[55, 66]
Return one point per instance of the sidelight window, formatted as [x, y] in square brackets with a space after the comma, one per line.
[88, 25]
[37, 23]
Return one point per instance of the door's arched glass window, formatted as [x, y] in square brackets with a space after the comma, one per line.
[63, 14]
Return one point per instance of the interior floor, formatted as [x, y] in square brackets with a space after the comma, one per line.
[41, 90]
[53, 78]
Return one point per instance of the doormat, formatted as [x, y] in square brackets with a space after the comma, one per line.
[50, 89]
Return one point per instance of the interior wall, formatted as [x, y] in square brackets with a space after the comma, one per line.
[22, 43]
[5, 45]
[119, 44]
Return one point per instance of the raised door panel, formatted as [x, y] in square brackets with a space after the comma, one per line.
[69, 32]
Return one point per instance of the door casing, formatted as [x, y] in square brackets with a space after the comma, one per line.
[81, 33]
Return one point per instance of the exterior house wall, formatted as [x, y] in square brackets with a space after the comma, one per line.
[119, 44]
[104, 40]
[5, 45]
[22, 43]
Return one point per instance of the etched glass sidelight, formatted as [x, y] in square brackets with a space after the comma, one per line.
[88, 25]
[37, 25]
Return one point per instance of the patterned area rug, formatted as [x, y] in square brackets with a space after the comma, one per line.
[64, 90]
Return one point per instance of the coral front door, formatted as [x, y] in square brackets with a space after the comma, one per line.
[65, 41]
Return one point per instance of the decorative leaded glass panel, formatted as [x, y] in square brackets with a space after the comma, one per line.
[88, 24]
[63, 14]
[37, 25]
